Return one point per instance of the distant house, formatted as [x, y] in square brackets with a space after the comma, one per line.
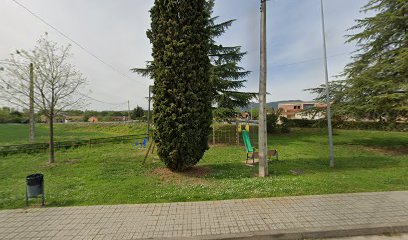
[57, 119]
[93, 119]
[296, 110]
[245, 115]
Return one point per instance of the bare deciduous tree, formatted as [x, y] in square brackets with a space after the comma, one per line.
[56, 81]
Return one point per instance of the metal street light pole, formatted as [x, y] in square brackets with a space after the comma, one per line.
[326, 75]
[263, 148]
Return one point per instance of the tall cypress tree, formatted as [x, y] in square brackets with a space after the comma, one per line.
[226, 76]
[180, 36]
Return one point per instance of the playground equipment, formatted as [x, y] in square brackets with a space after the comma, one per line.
[250, 150]
[239, 128]
[248, 146]
[152, 143]
[141, 145]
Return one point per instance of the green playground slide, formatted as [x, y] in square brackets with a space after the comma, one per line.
[250, 149]
[247, 142]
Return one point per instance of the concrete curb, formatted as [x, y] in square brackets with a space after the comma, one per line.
[311, 233]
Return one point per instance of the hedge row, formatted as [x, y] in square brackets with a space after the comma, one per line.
[304, 123]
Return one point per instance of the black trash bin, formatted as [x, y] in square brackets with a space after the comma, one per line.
[35, 187]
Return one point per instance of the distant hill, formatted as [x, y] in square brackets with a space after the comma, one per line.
[273, 105]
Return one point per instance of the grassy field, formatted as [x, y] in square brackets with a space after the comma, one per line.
[18, 133]
[114, 174]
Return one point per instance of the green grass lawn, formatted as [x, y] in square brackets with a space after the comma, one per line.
[114, 174]
[18, 133]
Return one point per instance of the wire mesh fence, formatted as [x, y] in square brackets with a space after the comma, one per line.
[223, 133]
[38, 147]
[226, 133]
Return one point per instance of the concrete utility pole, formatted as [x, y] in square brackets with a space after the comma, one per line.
[129, 111]
[263, 148]
[31, 107]
[326, 75]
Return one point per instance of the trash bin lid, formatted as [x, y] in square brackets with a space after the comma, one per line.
[35, 179]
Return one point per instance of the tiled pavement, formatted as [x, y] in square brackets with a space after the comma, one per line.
[376, 237]
[205, 220]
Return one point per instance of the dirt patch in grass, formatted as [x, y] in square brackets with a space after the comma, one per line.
[194, 175]
[388, 151]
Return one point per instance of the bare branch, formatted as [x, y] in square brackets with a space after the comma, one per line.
[56, 82]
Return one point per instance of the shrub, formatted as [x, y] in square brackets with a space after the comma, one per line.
[272, 122]
[284, 125]
[352, 125]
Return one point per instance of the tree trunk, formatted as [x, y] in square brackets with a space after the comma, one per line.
[51, 119]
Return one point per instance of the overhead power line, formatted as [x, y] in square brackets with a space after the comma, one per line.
[307, 60]
[82, 94]
[100, 101]
[73, 41]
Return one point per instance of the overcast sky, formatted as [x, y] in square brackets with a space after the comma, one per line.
[115, 31]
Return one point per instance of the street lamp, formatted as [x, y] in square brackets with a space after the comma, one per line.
[326, 75]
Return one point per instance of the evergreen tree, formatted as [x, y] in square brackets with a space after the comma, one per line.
[338, 100]
[376, 81]
[226, 76]
[137, 112]
[376, 84]
[180, 37]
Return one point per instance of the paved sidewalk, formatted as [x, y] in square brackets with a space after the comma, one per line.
[284, 217]
[376, 237]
